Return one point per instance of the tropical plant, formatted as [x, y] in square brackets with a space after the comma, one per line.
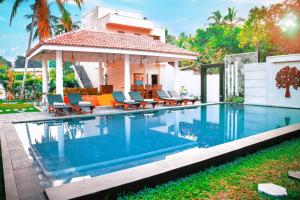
[20, 62]
[216, 17]
[170, 39]
[56, 25]
[235, 99]
[4, 62]
[231, 18]
[42, 12]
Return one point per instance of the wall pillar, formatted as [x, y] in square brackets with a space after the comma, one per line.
[145, 76]
[236, 83]
[59, 73]
[100, 73]
[44, 78]
[126, 75]
[176, 74]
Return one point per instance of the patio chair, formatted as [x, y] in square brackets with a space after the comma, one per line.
[166, 98]
[56, 103]
[185, 99]
[121, 99]
[136, 96]
[78, 104]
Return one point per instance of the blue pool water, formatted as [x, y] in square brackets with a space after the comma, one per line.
[74, 149]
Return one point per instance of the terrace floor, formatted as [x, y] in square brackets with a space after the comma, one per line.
[98, 111]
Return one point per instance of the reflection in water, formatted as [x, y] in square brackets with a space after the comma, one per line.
[72, 149]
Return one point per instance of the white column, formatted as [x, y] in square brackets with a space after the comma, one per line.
[145, 66]
[59, 73]
[100, 73]
[232, 80]
[61, 141]
[45, 78]
[126, 75]
[228, 80]
[236, 64]
[176, 73]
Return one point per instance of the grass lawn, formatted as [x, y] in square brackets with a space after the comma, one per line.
[235, 180]
[7, 107]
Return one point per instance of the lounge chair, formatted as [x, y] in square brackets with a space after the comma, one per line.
[166, 98]
[185, 99]
[136, 96]
[56, 103]
[78, 104]
[121, 99]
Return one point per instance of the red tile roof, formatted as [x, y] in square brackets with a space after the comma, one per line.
[86, 38]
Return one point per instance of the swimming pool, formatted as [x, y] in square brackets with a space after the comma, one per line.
[76, 149]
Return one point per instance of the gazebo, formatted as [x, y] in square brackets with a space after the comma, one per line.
[104, 48]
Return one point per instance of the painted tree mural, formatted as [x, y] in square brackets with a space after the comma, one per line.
[287, 77]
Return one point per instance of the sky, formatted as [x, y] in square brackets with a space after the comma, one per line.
[176, 15]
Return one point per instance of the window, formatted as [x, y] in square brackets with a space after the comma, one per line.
[121, 32]
[137, 34]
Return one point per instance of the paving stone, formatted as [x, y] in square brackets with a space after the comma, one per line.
[272, 189]
[21, 163]
[294, 174]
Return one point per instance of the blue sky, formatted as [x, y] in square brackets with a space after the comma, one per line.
[175, 15]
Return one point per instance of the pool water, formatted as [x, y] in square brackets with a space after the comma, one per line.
[74, 149]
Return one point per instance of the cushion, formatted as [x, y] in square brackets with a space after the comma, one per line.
[59, 104]
[129, 101]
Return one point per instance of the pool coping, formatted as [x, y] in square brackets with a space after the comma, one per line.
[121, 111]
[21, 181]
[173, 166]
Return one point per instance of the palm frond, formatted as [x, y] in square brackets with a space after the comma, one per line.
[15, 9]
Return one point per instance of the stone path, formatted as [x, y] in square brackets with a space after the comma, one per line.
[294, 174]
[272, 189]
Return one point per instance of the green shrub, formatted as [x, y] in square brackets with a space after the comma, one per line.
[235, 99]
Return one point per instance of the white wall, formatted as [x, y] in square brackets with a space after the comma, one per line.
[256, 83]
[260, 83]
[213, 88]
[191, 80]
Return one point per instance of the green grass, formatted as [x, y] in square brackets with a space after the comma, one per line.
[235, 180]
[7, 107]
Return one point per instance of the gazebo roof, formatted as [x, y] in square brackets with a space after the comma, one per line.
[108, 40]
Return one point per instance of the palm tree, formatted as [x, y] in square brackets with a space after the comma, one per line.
[231, 17]
[56, 26]
[216, 17]
[42, 12]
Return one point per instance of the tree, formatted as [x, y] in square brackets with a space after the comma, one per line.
[41, 12]
[231, 18]
[56, 26]
[183, 41]
[287, 77]
[170, 39]
[255, 36]
[20, 63]
[216, 17]
[4, 62]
